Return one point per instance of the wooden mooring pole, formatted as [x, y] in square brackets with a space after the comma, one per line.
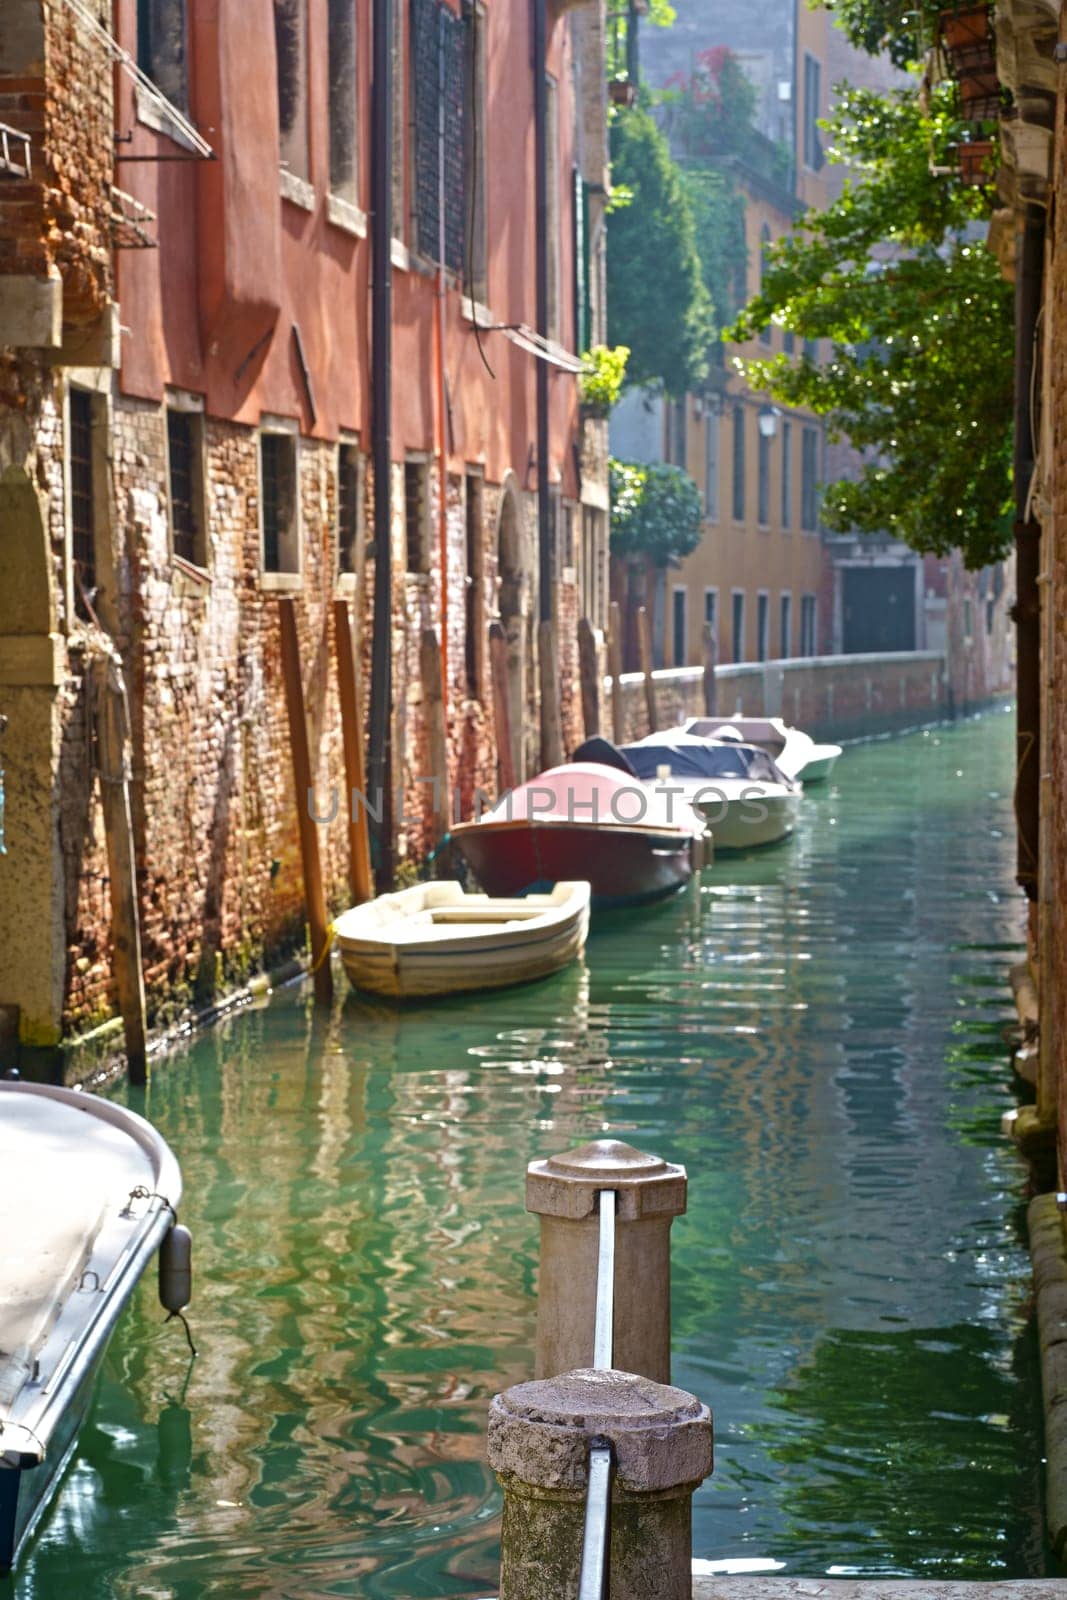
[589, 674]
[548, 666]
[711, 661]
[618, 723]
[644, 648]
[498, 671]
[314, 897]
[436, 733]
[112, 725]
[360, 880]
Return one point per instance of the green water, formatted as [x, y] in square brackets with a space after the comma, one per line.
[816, 1034]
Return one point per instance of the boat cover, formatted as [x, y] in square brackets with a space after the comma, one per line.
[586, 792]
[60, 1172]
[698, 759]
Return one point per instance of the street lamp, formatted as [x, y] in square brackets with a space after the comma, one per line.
[767, 418]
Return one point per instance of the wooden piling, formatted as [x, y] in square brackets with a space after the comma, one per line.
[711, 661]
[589, 673]
[112, 726]
[618, 723]
[360, 880]
[498, 671]
[548, 666]
[644, 649]
[314, 897]
[436, 733]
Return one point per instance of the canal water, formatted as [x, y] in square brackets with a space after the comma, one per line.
[817, 1034]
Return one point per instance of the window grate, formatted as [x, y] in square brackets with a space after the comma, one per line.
[82, 512]
[416, 515]
[278, 480]
[347, 507]
[438, 64]
[183, 519]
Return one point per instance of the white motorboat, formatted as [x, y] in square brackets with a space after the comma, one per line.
[88, 1193]
[744, 797]
[436, 939]
[793, 752]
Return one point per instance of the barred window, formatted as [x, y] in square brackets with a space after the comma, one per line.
[280, 517]
[82, 496]
[349, 519]
[437, 68]
[184, 481]
[417, 515]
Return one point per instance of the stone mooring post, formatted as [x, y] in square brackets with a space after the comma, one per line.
[563, 1191]
[540, 1436]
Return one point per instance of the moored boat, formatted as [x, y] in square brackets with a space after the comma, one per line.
[793, 752]
[435, 939]
[736, 787]
[88, 1193]
[589, 821]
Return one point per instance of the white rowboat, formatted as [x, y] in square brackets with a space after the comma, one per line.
[88, 1193]
[793, 752]
[435, 939]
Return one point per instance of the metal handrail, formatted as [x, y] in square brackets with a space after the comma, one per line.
[593, 1581]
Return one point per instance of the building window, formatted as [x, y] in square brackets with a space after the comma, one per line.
[738, 641]
[280, 502]
[789, 342]
[785, 637]
[399, 121]
[809, 480]
[711, 608]
[813, 156]
[82, 499]
[763, 625]
[968, 621]
[764, 246]
[552, 224]
[474, 633]
[739, 463]
[676, 440]
[290, 36]
[807, 624]
[990, 615]
[341, 66]
[711, 467]
[349, 508]
[763, 480]
[417, 515]
[678, 620]
[810, 351]
[787, 474]
[185, 482]
[474, 118]
[163, 48]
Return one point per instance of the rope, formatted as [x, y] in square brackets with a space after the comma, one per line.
[331, 929]
[188, 1334]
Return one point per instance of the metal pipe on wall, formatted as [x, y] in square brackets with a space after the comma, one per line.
[1027, 609]
[380, 764]
[540, 87]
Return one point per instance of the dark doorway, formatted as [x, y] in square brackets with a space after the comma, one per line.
[877, 609]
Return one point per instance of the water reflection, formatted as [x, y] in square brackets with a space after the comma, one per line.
[814, 1031]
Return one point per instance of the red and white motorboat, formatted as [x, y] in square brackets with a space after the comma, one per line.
[585, 821]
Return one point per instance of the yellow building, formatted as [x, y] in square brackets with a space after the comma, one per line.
[759, 574]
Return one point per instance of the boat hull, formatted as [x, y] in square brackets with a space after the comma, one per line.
[465, 964]
[623, 866]
[748, 824]
[820, 764]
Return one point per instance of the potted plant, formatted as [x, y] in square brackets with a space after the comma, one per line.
[967, 35]
[622, 91]
[601, 380]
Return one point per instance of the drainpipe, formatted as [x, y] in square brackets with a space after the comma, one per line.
[380, 764]
[544, 551]
[1026, 612]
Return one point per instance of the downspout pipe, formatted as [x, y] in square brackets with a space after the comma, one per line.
[1027, 609]
[540, 100]
[380, 764]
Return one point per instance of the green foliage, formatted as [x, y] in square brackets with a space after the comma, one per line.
[920, 324]
[718, 208]
[710, 114]
[657, 303]
[903, 31]
[602, 378]
[655, 513]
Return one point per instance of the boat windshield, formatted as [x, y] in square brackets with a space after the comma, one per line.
[702, 760]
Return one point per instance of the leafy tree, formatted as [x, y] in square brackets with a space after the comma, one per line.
[710, 114]
[901, 29]
[898, 278]
[657, 303]
[655, 513]
[718, 208]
